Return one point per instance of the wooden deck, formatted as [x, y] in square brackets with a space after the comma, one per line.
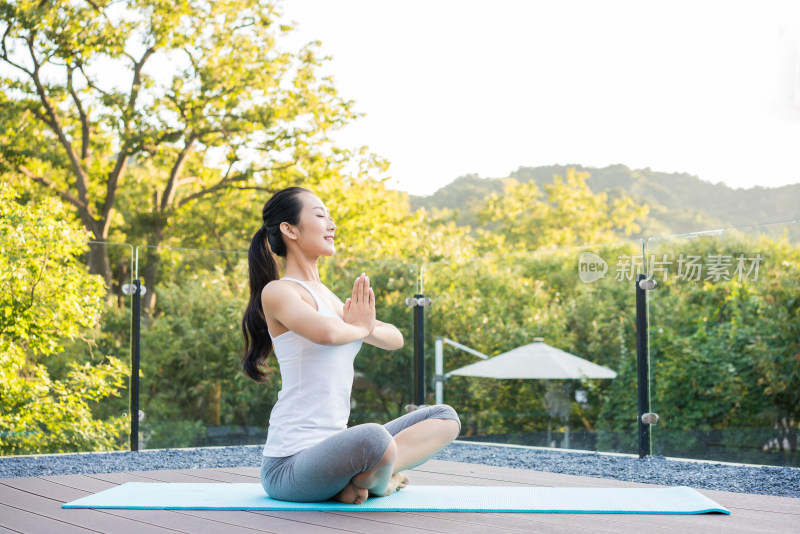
[34, 505]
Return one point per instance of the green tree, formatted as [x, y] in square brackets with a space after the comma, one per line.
[567, 213]
[201, 96]
[47, 299]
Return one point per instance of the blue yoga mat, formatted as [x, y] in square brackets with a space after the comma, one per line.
[251, 496]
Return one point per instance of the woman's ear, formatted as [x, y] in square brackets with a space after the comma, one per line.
[288, 230]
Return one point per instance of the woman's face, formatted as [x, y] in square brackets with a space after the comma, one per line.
[316, 228]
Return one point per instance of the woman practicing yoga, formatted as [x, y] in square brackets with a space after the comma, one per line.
[310, 454]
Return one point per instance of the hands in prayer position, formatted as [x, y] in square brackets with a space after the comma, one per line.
[359, 310]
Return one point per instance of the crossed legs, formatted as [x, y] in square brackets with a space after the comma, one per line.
[409, 447]
[362, 460]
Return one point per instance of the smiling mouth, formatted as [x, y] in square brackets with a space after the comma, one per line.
[329, 238]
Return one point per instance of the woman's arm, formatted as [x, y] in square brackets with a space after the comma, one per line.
[287, 307]
[385, 336]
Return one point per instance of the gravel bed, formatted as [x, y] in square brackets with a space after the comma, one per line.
[765, 480]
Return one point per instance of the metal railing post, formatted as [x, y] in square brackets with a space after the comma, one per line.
[642, 367]
[419, 352]
[136, 289]
[419, 302]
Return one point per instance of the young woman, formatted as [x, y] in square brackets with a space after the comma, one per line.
[310, 454]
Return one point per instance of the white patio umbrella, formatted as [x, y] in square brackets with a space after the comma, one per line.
[539, 361]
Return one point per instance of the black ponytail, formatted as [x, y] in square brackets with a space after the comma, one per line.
[284, 206]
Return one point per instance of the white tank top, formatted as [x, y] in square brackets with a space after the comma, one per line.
[314, 400]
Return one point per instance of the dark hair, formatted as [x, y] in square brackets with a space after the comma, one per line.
[284, 206]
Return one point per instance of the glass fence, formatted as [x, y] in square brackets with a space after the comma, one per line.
[535, 348]
[193, 392]
[557, 326]
[725, 344]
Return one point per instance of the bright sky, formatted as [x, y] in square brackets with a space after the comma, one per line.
[449, 88]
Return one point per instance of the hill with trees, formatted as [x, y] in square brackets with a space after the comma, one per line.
[678, 202]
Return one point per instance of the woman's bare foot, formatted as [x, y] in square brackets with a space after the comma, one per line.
[352, 494]
[396, 483]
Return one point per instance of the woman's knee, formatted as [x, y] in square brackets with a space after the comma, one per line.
[376, 444]
[445, 411]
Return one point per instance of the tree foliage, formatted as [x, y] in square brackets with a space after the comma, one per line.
[567, 213]
[47, 301]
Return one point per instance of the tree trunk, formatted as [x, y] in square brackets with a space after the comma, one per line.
[99, 262]
[151, 271]
[149, 281]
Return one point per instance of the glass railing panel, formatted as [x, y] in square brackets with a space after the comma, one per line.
[193, 392]
[65, 345]
[578, 300]
[724, 331]
[384, 379]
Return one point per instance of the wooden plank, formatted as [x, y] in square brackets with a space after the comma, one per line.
[254, 472]
[220, 475]
[28, 522]
[88, 519]
[482, 522]
[623, 523]
[81, 482]
[260, 522]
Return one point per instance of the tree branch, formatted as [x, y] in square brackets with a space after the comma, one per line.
[174, 175]
[111, 186]
[222, 184]
[216, 188]
[65, 195]
[81, 113]
[90, 83]
[5, 53]
[81, 179]
[38, 115]
[137, 77]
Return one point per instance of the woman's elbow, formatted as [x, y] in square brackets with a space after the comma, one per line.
[398, 342]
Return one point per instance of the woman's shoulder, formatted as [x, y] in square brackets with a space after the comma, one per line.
[277, 290]
[282, 292]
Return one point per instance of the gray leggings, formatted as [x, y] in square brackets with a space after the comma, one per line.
[320, 472]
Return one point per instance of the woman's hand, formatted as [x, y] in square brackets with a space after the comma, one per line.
[359, 310]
